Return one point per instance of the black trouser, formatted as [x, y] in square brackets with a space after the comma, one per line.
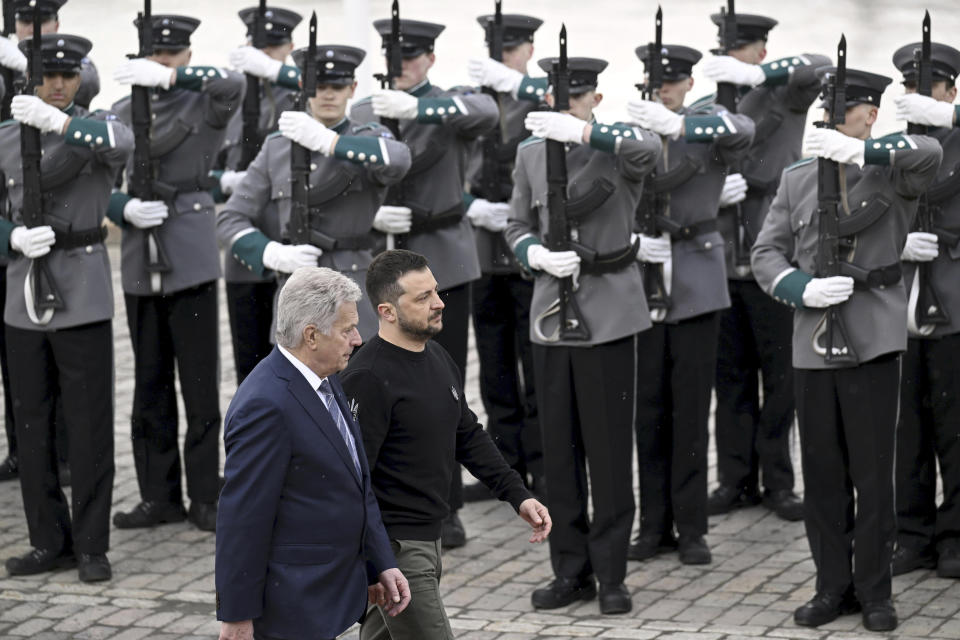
[501, 325]
[929, 433]
[79, 361]
[675, 369]
[756, 333]
[585, 399]
[177, 328]
[848, 419]
[250, 307]
[453, 338]
[8, 423]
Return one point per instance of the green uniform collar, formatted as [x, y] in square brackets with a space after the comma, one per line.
[421, 89]
[341, 126]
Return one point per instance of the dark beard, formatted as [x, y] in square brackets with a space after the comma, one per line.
[418, 333]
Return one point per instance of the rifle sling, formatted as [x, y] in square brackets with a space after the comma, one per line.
[678, 231]
[664, 182]
[949, 238]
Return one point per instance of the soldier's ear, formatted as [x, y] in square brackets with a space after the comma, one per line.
[353, 89]
[871, 115]
[597, 99]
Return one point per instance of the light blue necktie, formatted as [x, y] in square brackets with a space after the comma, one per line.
[326, 392]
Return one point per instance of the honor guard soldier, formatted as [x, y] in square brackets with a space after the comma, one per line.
[352, 165]
[67, 345]
[585, 381]
[928, 434]
[677, 357]
[501, 297]
[425, 211]
[755, 331]
[849, 330]
[250, 296]
[169, 268]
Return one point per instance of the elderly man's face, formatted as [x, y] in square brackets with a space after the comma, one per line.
[330, 353]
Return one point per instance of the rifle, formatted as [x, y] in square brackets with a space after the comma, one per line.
[491, 186]
[46, 297]
[651, 203]
[726, 91]
[837, 348]
[251, 100]
[929, 309]
[571, 324]
[9, 26]
[298, 228]
[142, 177]
[394, 70]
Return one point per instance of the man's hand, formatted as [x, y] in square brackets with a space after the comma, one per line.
[304, 130]
[388, 103]
[236, 630]
[489, 215]
[734, 190]
[655, 117]
[34, 242]
[729, 69]
[920, 247]
[144, 215]
[230, 179]
[33, 111]
[255, 62]
[537, 516]
[393, 594]
[561, 127]
[287, 258]
[487, 72]
[833, 145]
[144, 73]
[390, 219]
[826, 292]
[925, 110]
[559, 264]
[656, 250]
[11, 57]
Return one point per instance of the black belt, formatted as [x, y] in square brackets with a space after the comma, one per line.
[594, 263]
[168, 191]
[426, 222]
[678, 231]
[949, 238]
[872, 278]
[348, 243]
[66, 240]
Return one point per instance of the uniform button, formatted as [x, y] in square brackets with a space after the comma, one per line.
[99, 139]
[698, 130]
[87, 138]
[188, 71]
[280, 193]
[89, 249]
[361, 156]
[77, 135]
[197, 206]
[707, 245]
[441, 111]
[313, 166]
[354, 267]
[428, 111]
[373, 158]
[11, 182]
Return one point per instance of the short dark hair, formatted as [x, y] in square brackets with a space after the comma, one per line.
[386, 270]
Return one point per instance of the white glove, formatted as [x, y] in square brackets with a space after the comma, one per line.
[729, 69]
[33, 111]
[255, 62]
[393, 219]
[143, 73]
[488, 72]
[655, 117]
[34, 242]
[11, 57]
[654, 249]
[230, 179]
[920, 247]
[303, 129]
[289, 257]
[826, 292]
[833, 145]
[924, 110]
[489, 215]
[388, 103]
[562, 127]
[734, 190]
[144, 215]
[559, 264]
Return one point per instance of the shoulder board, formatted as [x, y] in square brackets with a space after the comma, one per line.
[529, 141]
[461, 89]
[800, 163]
[370, 126]
[363, 101]
[275, 134]
[704, 102]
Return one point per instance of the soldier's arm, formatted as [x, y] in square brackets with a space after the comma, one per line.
[469, 114]
[225, 88]
[236, 226]
[533, 89]
[636, 149]
[108, 138]
[288, 78]
[89, 83]
[730, 133]
[770, 257]
[385, 159]
[797, 75]
[523, 226]
[913, 160]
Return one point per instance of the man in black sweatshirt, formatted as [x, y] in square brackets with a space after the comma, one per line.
[406, 393]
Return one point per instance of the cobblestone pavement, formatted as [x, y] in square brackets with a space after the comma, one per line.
[163, 578]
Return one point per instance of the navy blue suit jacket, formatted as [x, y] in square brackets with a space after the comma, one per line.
[299, 535]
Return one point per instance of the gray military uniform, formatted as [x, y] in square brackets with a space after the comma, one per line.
[433, 188]
[605, 229]
[188, 126]
[784, 257]
[344, 198]
[76, 182]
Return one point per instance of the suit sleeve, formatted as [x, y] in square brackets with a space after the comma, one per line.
[258, 451]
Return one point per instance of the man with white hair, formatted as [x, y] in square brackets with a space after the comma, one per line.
[297, 497]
